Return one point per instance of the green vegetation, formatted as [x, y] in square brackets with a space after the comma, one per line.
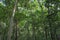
[29, 19]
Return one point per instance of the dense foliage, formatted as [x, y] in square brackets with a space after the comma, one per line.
[29, 19]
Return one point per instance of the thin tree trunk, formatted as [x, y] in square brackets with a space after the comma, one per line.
[16, 33]
[0, 37]
[46, 35]
[15, 29]
[11, 21]
[33, 29]
[27, 28]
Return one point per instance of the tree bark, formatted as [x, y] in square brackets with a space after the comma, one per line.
[12, 21]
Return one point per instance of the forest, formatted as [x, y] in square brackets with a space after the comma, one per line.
[29, 19]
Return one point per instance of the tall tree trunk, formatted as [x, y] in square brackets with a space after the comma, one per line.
[11, 21]
[52, 28]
